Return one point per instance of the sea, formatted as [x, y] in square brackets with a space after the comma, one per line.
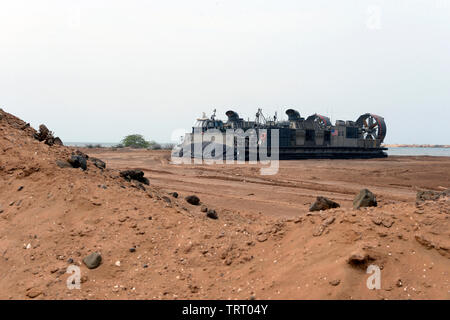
[393, 151]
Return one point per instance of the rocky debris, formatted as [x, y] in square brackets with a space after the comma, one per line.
[262, 237]
[93, 260]
[166, 199]
[442, 248]
[335, 283]
[212, 214]
[193, 199]
[44, 134]
[33, 292]
[365, 198]
[174, 194]
[63, 164]
[98, 163]
[428, 195]
[323, 226]
[204, 209]
[137, 175]
[133, 249]
[139, 185]
[20, 188]
[323, 203]
[78, 161]
[383, 221]
[360, 259]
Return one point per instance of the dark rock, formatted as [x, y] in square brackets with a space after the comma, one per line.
[212, 214]
[20, 188]
[34, 293]
[93, 260]
[174, 194]
[44, 134]
[323, 203]
[63, 164]
[137, 175]
[78, 161]
[133, 249]
[365, 198]
[98, 163]
[58, 142]
[194, 200]
[335, 283]
[204, 209]
[70, 261]
[145, 266]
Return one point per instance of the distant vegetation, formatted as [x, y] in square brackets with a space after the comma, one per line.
[135, 141]
[93, 146]
[138, 141]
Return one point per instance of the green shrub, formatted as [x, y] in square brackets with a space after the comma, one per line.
[135, 141]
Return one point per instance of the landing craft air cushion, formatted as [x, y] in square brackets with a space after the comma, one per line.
[298, 138]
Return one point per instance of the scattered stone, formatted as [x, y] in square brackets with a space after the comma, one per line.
[70, 261]
[335, 283]
[137, 175]
[98, 163]
[204, 209]
[133, 249]
[78, 161]
[212, 214]
[194, 200]
[117, 263]
[399, 283]
[93, 260]
[63, 164]
[323, 226]
[428, 195]
[262, 237]
[365, 198]
[167, 199]
[323, 203]
[20, 188]
[47, 136]
[380, 221]
[33, 293]
[145, 266]
[174, 194]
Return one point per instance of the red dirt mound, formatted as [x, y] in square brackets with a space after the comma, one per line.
[156, 246]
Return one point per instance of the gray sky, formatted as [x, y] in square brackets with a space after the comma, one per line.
[99, 70]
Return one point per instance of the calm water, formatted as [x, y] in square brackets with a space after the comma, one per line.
[437, 152]
[400, 151]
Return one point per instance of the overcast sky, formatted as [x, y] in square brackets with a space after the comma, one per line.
[95, 71]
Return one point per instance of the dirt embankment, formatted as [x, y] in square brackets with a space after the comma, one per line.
[155, 245]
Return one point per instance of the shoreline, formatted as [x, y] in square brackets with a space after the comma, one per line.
[417, 146]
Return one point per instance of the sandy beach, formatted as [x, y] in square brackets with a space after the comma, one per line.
[264, 244]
